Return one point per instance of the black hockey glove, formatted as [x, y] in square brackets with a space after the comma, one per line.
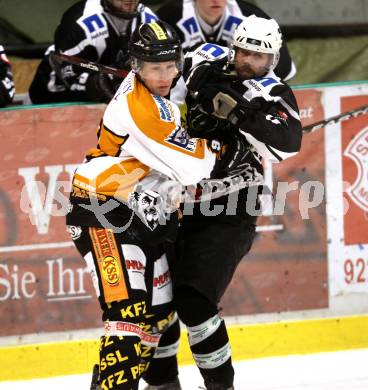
[122, 61]
[215, 99]
[4, 95]
[245, 111]
[101, 87]
[233, 157]
[207, 73]
[4, 69]
[224, 102]
[203, 125]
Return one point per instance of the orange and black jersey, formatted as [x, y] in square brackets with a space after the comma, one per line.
[140, 133]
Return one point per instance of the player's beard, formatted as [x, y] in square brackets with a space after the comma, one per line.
[245, 72]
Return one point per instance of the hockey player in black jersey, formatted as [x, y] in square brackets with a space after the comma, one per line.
[141, 153]
[214, 21]
[95, 30]
[234, 95]
[7, 89]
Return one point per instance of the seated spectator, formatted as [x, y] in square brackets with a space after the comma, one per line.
[95, 30]
[7, 89]
[214, 21]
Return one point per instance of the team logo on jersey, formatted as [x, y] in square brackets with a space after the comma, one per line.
[108, 258]
[111, 270]
[357, 150]
[74, 231]
[126, 86]
[179, 137]
[283, 115]
[232, 23]
[260, 87]
[165, 109]
[278, 118]
[148, 206]
[162, 284]
[210, 51]
[94, 26]
[190, 25]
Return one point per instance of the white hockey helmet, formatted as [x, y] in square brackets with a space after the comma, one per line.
[257, 34]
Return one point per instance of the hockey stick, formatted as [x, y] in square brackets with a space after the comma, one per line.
[58, 57]
[337, 119]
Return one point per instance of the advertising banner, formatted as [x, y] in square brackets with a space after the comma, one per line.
[44, 284]
[286, 269]
[306, 252]
[347, 168]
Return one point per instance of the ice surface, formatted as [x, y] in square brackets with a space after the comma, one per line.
[342, 370]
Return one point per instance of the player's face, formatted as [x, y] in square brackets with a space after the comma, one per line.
[158, 76]
[251, 64]
[124, 5]
[211, 10]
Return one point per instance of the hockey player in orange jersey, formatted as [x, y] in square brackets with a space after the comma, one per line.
[124, 205]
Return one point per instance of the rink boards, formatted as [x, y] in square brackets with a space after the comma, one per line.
[306, 276]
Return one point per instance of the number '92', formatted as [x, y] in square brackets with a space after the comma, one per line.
[355, 271]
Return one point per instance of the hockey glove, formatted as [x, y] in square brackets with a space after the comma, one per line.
[6, 91]
[203, 125]
[223, 102]
[233, 157]
[122, 60]
[219, 99]
[207, 73]
[101, 87]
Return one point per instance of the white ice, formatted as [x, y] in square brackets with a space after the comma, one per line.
[343, 370]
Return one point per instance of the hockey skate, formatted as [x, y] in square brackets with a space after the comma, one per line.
[215, 386]
[174, 385]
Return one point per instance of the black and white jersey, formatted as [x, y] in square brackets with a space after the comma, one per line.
[193, 30]
[272, 132]
[7, 89]
[85, 31]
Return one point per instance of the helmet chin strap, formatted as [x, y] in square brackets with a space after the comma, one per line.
[266, 70]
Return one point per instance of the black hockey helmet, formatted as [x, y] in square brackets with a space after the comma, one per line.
[118, 9]
[155, 42]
